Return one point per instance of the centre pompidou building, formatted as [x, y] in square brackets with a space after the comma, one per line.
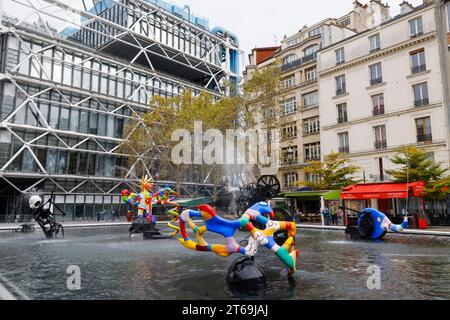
[74, 73]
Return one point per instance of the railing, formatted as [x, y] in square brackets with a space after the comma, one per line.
[344, 149]
[342, 119]
[312, 158]
[379, 145]
[425, 138]
[298, 62]
[341, 91]
[376, 81]
[419, 69]
[374, 50]
[418, 34]
[340, 62]
[421, 102]
[379, 110]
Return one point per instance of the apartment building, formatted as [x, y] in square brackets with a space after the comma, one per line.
[382, 89]
[298, 118]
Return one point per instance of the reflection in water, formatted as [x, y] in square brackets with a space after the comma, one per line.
[330, 267]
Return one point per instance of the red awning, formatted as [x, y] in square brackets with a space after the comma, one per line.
[382, 191]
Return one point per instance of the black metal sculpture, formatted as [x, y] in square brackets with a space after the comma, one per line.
[264, 189]
[45, 217]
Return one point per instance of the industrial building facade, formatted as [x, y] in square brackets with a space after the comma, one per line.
[66, 95]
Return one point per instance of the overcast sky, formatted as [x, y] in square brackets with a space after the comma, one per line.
[258, 22]
[255, 22]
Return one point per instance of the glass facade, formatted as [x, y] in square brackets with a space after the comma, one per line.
[67, 101]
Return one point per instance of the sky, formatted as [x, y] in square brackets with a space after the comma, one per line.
[257, 23]
[260, 23]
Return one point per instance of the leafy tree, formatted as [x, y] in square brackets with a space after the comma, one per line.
[335, 172]
[150, 139]
[414, 166]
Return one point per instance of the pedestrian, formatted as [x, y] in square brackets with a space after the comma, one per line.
[333, 216]
[326, 216]
[298, 215]
[113, 214]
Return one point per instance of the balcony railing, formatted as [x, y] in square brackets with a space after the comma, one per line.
[422, 102]
[419, 69]
[340, 62]
[380, 145]
[342, 119]
[376, 81]
[341, 91]
[312, 157]
[374, 50]
[379, 110]
[425, 138]
[344, 149]
[418, 34]
[298, 62]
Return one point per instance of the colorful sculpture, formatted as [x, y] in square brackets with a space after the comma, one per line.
[145, 200]
[373, 224]
[227, 228]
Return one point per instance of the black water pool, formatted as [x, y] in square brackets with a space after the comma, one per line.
[116, 267]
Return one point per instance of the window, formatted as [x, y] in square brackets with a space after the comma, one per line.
[268, 113]
[418, 63]
[289, 106]
[310, 74]
[289, 82]
[430, 156]
[342, 113]
[289, 131]
[289, 155]
[423, 127]
[310, 53]
[343, 142]
[448, 16]
[378, 104]
[374, 43]
[289, 59]
[340, 85]
[312, 152]
[311, 99]
[294, 42]
[421, 95]
[340, 56]
[311, 126]
[290, 179]
[315, 32]
[345, 22]
[376, 75]
[416, 27]
[380, 137]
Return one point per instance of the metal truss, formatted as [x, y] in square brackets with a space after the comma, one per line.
[145, 44]
[48, 10]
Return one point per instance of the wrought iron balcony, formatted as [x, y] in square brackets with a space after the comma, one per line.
[297, 63]
[374, 50]
[344, 149]
[379, 110]
[419, 69]
[342, 118]
[376, 81]
[380, 145]
[418, 34]
[341, 91]
[422, 102]
[425, 138]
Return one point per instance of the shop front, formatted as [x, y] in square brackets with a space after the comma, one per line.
[393, 199]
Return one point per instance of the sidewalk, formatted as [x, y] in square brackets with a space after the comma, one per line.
[430, 231]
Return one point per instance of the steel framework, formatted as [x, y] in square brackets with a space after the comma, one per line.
[202, 71]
